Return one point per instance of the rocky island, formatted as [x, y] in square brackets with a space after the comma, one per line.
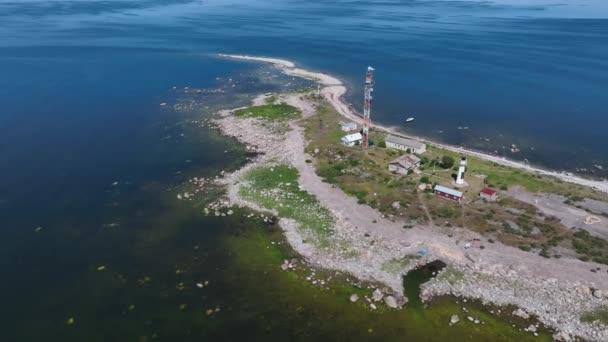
[540, 246]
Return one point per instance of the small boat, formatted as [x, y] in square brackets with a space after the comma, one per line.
[409, 119]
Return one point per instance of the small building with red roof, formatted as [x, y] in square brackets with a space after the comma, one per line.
[489, 194]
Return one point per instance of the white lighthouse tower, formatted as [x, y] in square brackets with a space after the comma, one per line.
[461, 169]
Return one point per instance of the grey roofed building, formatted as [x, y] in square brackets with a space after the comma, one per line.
[404, 163]
[404, 144]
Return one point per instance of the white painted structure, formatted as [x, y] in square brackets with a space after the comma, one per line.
[404, 144]
[461, 169]
[348, 126]
[351, 139]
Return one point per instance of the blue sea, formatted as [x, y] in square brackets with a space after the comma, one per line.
[90, 161]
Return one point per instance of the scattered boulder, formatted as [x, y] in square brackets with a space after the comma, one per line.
[373, 306]
[391, 302]
[396, 205]
[354, 298]
[285, 265]
[377, 295]
[599, 294]
[454, 319]
[521, 313]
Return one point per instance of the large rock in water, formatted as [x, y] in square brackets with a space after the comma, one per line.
[454, 319]
[391, 302]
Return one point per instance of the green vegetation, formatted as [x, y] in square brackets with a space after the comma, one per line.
[447, 162]
[277, 112]
[600, 314]
[276, 188]
[359, 173]
[590, 247]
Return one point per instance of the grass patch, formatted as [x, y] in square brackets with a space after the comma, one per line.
[276, 188]
[276, 112]
[600, 314]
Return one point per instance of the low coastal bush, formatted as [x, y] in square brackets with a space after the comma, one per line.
[447, 162]
[590, 247]
[278, 112]
[525, 248]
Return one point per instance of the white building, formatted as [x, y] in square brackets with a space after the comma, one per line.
[351, 139]
[405, 144]
[461, 169]
[348, 126]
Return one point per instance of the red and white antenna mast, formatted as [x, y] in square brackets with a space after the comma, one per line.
[367, 105]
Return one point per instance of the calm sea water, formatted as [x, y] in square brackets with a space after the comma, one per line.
[80, 88]
[530, 73]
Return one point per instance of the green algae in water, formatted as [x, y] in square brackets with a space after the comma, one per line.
[139, 296]
[295, 309]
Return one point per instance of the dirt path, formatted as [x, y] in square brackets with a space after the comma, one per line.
[426, 210]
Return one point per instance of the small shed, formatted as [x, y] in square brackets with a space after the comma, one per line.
[348, 126]
[351, 139]
[404, 163]
[448, 193]
[404, 144]
[489, 194]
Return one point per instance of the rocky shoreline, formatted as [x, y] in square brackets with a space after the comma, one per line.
[553, 303]
[365, 250]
